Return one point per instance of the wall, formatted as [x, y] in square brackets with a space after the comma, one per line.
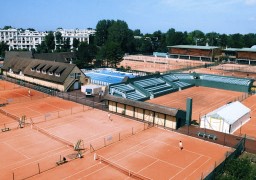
[246, 55]
[144, 114]
[36, 81]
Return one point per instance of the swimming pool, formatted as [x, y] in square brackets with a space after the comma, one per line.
[107, 76]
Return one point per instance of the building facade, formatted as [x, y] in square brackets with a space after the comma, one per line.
[18, 39]
[191, 52]
[55, 75]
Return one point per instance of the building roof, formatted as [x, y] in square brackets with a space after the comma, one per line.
[230, 113]
[64, 57]
[231, 49]
[22, 54]
[194, 47]
[247, 50]
[26, 65]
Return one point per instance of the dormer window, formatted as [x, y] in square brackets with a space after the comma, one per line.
[10, 70]
[57, 74]
[50, 73]
[43, 71]
[21, 73]
[38, 70]
[32, 69]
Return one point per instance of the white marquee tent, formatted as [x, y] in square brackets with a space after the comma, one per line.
[227, 118]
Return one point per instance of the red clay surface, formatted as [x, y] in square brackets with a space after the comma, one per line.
[151, 153]
[243, 71]
[17, 95]
[154, 64]
[205, 99]
[250, 127]
[5, 85]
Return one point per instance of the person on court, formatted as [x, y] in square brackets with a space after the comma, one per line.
[181, 145]
[109, 117]
[29, 92]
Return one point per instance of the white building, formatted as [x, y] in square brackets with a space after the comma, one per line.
[226, 119]
[25, 39]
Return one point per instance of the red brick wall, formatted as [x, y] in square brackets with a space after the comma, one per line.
[246, 55]
[194, 52]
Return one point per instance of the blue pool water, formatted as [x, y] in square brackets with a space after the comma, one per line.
[107, 76]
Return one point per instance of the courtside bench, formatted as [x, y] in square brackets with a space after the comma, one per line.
[206, 135]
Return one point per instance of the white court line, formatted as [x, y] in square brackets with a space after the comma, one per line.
[186, 167]
[199, 167]
[40, 159]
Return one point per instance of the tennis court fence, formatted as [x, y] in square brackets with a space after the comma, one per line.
[124, 170]
[59, 139]
[220, 168]
[109, 139]
[59, 114]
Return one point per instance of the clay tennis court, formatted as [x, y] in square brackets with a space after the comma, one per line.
[154, 64]
[40, 107]
[5, 85]
[20, 94]
[205, 99]
[242, 71]
[250, 126]
[149, 153]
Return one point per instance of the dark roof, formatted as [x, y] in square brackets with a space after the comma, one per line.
[64, 57]
[143, 105]
[22, 54]
[194, 47]
[17, 64]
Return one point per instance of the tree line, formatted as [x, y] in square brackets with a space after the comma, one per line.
[113, 38]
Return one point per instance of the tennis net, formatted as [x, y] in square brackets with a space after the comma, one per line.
[9, 115]
[61, 140]
[124, 170]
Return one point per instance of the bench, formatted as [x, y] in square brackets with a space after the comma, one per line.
[5, 129]
[206, 135]
[61, 162]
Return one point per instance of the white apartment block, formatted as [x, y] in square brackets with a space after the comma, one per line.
[80, 34]
[17, 39]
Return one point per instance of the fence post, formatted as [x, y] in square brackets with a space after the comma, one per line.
[38, 168]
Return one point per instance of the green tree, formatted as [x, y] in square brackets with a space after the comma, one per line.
[101, 34]
[146, 46]
[236, 40]
[3, 47]
[42, 48]
[212, 39]
[85, 54]
[75, 43]
[113, 53]
[238, 169]
[119, 33]
[7, 27]
[58, 37]
[49, 41]
[66, 45]
[196, 37]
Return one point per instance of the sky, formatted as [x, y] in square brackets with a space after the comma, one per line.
[221, 16]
